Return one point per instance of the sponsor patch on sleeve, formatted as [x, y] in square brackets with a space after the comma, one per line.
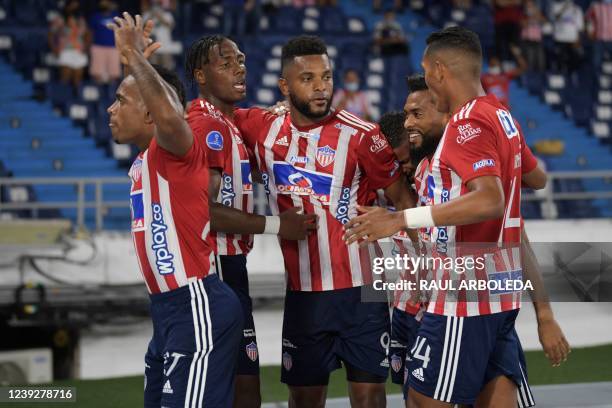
[214, 140]
[483, 163]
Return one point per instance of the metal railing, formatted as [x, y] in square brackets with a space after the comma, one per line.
[100, 205]
[81, 204]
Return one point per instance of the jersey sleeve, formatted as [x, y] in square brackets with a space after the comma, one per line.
[377, 160]
[528, 160]
[214, 138]
[470, 149]
[251, 122]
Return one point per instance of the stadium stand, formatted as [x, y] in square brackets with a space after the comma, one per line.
[48, 130]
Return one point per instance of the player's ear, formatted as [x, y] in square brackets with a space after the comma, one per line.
[199, 76]
[283, 86]
[148, 119]
[439, 70]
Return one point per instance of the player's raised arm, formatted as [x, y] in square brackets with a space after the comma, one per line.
[556, 348]
[172, 132]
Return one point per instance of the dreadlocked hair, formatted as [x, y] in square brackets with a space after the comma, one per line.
[198, 52]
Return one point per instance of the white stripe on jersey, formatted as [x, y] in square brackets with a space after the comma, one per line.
[353, 249]
[173, 242]
[148, 236]
[140, 264]
[354, 120]
[469, 109]
[269, 159]
[327, 281]
[344, 139]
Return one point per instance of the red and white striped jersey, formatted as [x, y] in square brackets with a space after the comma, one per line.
[599, 18]
[170, 224]
[327, 169]
[481, 139]
[404, 246]
[225, 152]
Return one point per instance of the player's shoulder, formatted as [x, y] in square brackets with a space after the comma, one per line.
[362, 126]
[255, 113]
[475, 116]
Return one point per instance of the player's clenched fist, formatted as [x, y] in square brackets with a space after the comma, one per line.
[296, 226]
[374, 223]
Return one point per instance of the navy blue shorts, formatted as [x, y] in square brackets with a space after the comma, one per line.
[404, 327]
[191, 358]
[321, 330]
[233, 272]
[453, 358]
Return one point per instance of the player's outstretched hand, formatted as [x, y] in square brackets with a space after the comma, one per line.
[556, 348]
[129, 34]
[375, 223]
[296, 226]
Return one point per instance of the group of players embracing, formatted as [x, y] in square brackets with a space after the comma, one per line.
[322, 170]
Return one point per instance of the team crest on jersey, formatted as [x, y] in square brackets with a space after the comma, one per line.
[396, 363]
[136, 170]
[325, 156]
[287, 361]
[214, 140]
[251, 351]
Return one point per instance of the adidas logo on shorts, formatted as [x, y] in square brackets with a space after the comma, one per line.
[168, 388]
[418, 374]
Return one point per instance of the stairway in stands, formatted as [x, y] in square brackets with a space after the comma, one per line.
[35, 142]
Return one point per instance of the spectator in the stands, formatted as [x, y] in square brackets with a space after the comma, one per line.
[69, 40]
[398, 5]
[531, 35]
[235, 16]
[507, 17]
[599, 27]
[163, 21]
[351, 98]
[496, 80]
[389, 37]
[104, 66]
[568, 23]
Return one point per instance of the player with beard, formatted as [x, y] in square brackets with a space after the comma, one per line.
[424, 127]
[218, 68]
[472, 181]
[326, 162]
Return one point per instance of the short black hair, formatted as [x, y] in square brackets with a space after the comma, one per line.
[173, 80]
[416, 83]
[392, 127]
[197, 54]
[300, 46]
[457, 38]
